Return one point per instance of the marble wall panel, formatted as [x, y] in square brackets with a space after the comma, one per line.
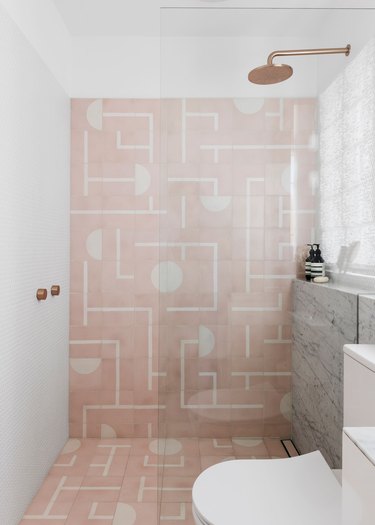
[366, 319]
[324, 319]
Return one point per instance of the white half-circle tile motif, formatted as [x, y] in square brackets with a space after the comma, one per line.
[142, 179]
[249, 106]
[172, 446]
[107, 432]
[247, 442]
[85, 365]
[215, 203]
[286, 406]
[168, 447]
[94, 244]
[94, 114]
[157, 446]
[167, 276]
[125, 515]
[206, 341]
[71, 446]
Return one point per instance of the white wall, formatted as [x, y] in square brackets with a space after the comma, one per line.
[218, 67]
[115, 67]
[193, 64]
[42, 25]
[118, 67]
[347, 150]
[354, 28]
[34, 252]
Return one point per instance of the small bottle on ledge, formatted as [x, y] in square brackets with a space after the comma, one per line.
[317, 264]
[308, 263]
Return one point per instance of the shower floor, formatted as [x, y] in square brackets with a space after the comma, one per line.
[115, 481]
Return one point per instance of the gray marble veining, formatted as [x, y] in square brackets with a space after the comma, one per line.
[366, 319]
[324, 319]
[364, 438]
[317, 423]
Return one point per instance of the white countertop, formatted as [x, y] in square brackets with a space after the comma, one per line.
[364, 438]
[341, 287]
[364, 354]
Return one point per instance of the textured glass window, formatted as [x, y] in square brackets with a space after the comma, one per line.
[347, 165]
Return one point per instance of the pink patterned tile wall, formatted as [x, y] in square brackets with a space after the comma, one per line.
[114, 250]
[183, 250]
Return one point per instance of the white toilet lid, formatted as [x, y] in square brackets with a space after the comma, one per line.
[292, 491]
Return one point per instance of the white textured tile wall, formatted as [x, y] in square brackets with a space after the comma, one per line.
[347, 153]
[34, 252]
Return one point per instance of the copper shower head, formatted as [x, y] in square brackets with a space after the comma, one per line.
[272, 73]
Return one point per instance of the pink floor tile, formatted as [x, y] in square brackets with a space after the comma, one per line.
[104, 466]
[144, 513]
[82, 447]
[176, 513]
[70, 465]
[62, 490]
[216, 447]
[181, 466]
[84, 512]
[147, 447]
[208, 461]
[121, 479]
[123, 444]
[275, 448]
[99, 489]
[84, 521]
[189, 447]
[45, 522]
[249, 447]
[140, 489]
[177, 488]
[120, 451]
[142, 466]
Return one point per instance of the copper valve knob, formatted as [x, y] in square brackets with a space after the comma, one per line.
[55, 289]
[41, 294]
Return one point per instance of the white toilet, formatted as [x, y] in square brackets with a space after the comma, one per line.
[301, 490]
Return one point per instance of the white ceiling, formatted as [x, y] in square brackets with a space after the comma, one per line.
[145, 17]
[103, 63]
[115, 17]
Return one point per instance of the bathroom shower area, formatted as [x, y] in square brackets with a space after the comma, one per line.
[236, 182]
[190, 216]
[190, 219]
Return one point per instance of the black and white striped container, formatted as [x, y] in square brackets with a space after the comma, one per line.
[318, 269]
[317, 263]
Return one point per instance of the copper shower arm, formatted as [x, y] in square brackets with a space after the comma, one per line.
[297, 52]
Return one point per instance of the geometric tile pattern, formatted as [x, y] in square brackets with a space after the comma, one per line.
[189, 219]
[115, 481]
[114, 306]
